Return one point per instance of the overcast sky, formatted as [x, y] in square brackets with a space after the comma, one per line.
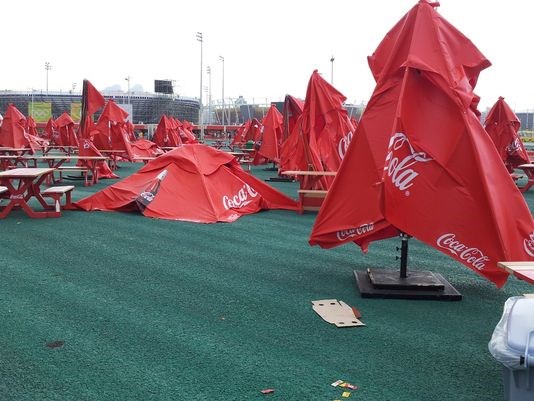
[270, 47]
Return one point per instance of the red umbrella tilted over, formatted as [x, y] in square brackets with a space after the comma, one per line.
[191, 183]
[502, 125]
[420, 161]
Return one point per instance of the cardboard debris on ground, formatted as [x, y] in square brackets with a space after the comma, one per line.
[336, 312]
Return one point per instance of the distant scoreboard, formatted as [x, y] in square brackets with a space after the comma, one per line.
[163, 86]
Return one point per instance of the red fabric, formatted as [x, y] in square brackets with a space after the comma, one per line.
[50, 131]
[129, 127]
[146, 148]
[166, 134]
[31, 126]
[438, 179]
[294, 153]
[291, 111]
[502, 125]
[270, 138]
[249, 131]
[95, 100]
[110, 131]
[185, 132]
[197, 183]
[87, 148]
[326, 124]
[66, 134]
[12, 132]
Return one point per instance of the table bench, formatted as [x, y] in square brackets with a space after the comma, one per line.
[56, 193]
[521, 270]
[311, 199]
[83, 170]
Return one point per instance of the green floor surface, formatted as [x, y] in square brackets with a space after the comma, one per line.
[116, 306]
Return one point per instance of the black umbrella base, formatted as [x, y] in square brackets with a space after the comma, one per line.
[280, 179]
[383, 283]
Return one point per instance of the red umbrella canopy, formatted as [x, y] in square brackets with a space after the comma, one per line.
[12, 132]
[326, 124]
[291, 111]
[191, 183]
[421, 161]
[166, 134]
[502, 125]
[51, 130]
[67, 136]
[270, 137]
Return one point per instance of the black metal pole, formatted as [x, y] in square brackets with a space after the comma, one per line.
[404, 255]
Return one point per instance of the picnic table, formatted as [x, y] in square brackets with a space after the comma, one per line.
[521, 270]
[528, 169]
[23, 184]
[310, 197]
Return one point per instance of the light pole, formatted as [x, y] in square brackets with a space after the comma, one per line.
[208, 70]
[332, 70]
[48, 67]
[200, 111]
[128, 79]
[223, 108]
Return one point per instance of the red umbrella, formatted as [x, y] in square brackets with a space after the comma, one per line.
[271, 137]
[291, 111]
[502, 125]
[191, 183]
[92, 101]
[65, 126]
[110, 130]
[166, 134]
[421, 161]
[12, 132]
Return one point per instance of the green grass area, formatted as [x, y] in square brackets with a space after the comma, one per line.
[163, 310]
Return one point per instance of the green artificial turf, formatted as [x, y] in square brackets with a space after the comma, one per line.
[116, 306]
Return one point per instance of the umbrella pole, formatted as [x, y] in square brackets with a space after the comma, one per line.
[404, 255]
[390, 283]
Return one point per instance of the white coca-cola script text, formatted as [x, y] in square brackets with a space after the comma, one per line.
[471, 255]
[242, 198]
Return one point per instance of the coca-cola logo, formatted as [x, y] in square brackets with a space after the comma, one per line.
[353, 232]
[343, 144]
[242, 198]
[513, 147]
[400, 168]
[470, 255]
[528, 245]
[149, 196]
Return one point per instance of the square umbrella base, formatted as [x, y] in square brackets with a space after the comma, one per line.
[280, 179]
[382, 283]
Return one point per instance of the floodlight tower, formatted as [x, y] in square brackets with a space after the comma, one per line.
[200, 111]
[208, 71]
[48, 67]
[332, 70]
[223, 108]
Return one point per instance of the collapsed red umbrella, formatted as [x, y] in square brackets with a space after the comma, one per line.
[421, 162]
[321, 134]
[12, 131]
[166, 134]
[271, 137]
[191, 183]
[291, 111]
[502, 125]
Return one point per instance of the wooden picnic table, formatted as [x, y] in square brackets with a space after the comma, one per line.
[528, 169]
[23, 184]
[521, 270]
[311, 197]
